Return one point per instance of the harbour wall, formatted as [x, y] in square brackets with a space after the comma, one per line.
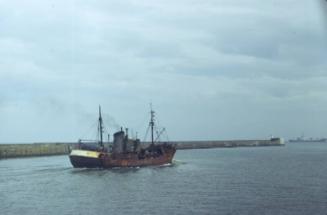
[228, 143]
[33, 149]
[46, 149]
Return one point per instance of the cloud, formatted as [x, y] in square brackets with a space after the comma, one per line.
[213, 70]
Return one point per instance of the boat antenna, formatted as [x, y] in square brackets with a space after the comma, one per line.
[152, 123]
[100, 127]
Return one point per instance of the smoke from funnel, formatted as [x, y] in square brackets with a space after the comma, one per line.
[323, 9]
[110, 122]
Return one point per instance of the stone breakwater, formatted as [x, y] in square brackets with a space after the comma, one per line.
[228, 143]
[33, 149]
[46, 149]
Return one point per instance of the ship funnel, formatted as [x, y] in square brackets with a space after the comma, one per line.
[118, 143]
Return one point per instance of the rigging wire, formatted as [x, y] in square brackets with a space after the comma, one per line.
[159, 131]
[159, 134]
[88, 131]
[146, 133]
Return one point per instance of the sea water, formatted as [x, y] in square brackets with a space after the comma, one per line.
[259, 180]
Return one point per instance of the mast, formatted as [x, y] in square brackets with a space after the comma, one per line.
[100, 127]
[152, 124]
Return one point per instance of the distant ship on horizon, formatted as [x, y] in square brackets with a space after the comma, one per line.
[308, 140]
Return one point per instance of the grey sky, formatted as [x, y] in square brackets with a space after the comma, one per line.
[213, 69]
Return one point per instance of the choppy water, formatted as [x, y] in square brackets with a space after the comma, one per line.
[263, 180]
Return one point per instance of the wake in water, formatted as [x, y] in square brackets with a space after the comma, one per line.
[126, 169]
[178, 162]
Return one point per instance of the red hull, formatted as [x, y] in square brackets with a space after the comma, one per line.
[107, 160]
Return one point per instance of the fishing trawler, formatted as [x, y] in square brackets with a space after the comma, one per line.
[124, 151]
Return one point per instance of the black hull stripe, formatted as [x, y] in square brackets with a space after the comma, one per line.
[80, 162]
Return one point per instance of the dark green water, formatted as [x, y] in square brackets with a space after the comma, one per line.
[262, 180]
